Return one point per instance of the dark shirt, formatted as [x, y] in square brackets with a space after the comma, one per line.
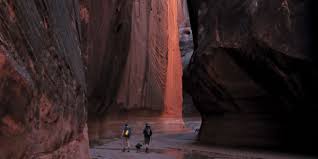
[145, 132]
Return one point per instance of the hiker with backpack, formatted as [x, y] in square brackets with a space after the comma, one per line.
[147, 136]
[126, 133]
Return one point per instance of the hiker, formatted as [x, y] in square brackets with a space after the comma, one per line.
[147, 135]
[126, 133]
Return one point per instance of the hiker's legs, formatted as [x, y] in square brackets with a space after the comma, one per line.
[147, 141]
[123, 144]
[147, 147]
[127, 143]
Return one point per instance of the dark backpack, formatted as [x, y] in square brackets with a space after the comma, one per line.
[148, 131]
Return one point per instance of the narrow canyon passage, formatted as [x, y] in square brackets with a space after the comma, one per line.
[139, 78]
[230, 79]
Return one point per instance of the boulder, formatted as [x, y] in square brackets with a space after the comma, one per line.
[252, 76]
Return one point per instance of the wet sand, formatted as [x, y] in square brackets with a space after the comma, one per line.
[178, 145]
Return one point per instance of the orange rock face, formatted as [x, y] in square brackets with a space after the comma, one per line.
[173, 94]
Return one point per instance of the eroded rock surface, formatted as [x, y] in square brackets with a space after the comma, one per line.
[251, 76]
[42, 82]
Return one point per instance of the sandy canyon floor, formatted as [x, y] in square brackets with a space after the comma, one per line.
[179, 145]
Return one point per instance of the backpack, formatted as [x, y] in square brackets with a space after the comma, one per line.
[148, 131]
[126, 132]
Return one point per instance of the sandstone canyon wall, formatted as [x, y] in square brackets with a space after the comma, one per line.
[108, 28]
[186, 49]
[152, 74]
[252, 76]
[183, 13]
[42, 81]
[134, 62]
[119, 58]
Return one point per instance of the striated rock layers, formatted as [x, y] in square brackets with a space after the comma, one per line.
[134, 63]
[42, 82]
[251, 75]
[152, 75]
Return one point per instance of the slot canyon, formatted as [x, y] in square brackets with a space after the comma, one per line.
[230, 79]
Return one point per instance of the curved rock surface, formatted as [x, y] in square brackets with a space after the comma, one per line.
[251, 76]
[42, 82]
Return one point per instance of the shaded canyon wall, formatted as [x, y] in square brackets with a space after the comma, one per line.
[186, 49]
[42, 81]
[252, 76]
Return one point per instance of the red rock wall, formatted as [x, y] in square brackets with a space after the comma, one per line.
[121, 55]
[42, 82]
[153, 71]
[173, 93]
[134, 56]
[108, 39]
[143, 82]
[134, 63]
[251, 76]
[183, 13]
